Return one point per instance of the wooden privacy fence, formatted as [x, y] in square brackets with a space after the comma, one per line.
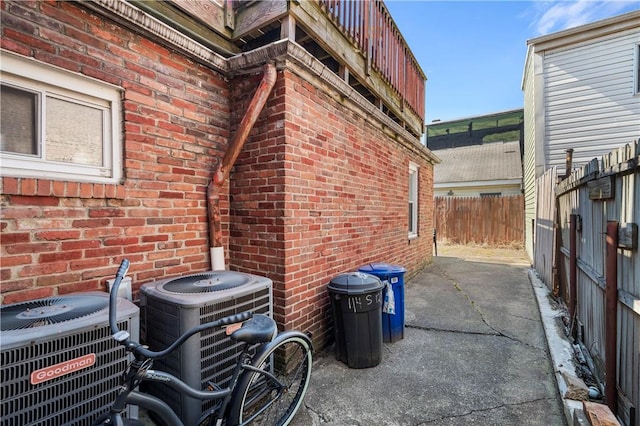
[493, 221]
[597, 269]
[544, 232]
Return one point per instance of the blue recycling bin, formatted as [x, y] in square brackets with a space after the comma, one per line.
[392, 323]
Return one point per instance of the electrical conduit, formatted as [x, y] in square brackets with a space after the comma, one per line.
[221, 173]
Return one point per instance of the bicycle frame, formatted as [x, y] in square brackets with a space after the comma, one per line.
[129, 396]
[139, 371]
[161, 408]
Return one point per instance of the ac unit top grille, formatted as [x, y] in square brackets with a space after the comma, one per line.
[207, 283]
[49, 311]
[62, 371]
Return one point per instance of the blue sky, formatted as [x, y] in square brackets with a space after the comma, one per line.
[473, 52]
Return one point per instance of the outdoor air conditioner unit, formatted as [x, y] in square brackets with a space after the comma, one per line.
[171, 307]
[60, 365]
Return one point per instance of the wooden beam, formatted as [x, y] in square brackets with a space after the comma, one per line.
[629, 300]
[344, 73]
[258, 15]
[207, 12]
[229, 15]
[602, 189]
[288, 28]
[211, 34]
[624, 168]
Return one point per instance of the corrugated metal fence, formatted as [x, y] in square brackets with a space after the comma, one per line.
[597, 268]
[493, 221]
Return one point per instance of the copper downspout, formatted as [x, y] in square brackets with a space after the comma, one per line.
[221, 173]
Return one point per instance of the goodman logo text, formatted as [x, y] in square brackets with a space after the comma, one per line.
[62, 369]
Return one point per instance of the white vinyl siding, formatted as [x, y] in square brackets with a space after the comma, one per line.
[636, 69]
[529, 159]
[590, 104]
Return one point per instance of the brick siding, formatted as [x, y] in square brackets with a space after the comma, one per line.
[318, 190]
[60, 237]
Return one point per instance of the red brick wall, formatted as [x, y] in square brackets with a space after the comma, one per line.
[59, 237]
[318, 191]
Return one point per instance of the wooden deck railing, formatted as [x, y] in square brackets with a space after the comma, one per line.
[371, 28]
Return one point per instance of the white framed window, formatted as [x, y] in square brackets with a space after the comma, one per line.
[413, 200]
[56, 124]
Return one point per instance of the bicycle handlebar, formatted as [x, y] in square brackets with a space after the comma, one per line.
[113, 296]
[137, 348]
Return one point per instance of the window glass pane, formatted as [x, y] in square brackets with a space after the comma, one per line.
[74, 133]
[412, 182]
[18, 125]
[411, 220]
[413, 201]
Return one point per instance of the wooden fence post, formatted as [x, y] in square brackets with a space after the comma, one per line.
[573, 269]
[611, 316]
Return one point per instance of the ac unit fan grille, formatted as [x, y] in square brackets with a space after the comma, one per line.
[217, 351]
[53, 310]
[63, 400]
[206, 283]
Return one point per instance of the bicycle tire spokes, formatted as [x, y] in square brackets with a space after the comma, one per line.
[263, 392]
[271, 402]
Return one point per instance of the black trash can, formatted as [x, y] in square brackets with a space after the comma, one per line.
[356, 301]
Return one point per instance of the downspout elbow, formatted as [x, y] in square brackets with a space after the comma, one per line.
[223, 170]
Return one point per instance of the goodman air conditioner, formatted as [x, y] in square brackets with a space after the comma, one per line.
[171, 307]
[60, 365]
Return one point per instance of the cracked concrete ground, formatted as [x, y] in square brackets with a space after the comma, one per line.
[473, 352]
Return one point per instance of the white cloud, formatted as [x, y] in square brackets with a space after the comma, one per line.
[553, 16]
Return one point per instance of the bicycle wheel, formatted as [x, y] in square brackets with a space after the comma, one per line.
[261, 400]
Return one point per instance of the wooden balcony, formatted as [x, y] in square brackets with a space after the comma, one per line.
[358, 40]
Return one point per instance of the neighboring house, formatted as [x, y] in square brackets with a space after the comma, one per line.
[478, 183]
[481, 155]
[495, 127]
[490, 169]
[121, 115]
[582, 92]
